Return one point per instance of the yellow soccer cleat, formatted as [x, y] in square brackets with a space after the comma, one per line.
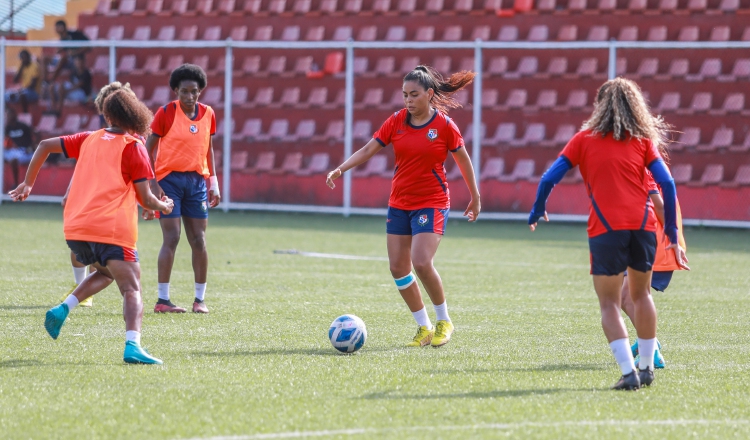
[69, 292]
[88, 302]
[443, 332]
[423, 337]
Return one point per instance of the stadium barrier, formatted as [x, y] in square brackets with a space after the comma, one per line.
[572, 204]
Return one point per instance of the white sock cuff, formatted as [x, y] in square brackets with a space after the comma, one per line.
[442, 311]
[132, 335]
[79, 274]
[422, 318]
[623, 355]
[71, 301]
[200, 290]
[163, 290]
[404, 282]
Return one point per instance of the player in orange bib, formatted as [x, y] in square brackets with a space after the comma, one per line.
[422, 134]
[667, 261]
[181, 146]
[100, 220]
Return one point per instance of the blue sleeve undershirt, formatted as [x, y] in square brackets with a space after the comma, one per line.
[550, 178]
[662, 176]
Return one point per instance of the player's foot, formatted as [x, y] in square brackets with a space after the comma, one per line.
[443, 332]
[630, 382]
[199, 306]
[135, 354]
[422, 338]
[88, 302]
[166, 306]
[646, 376]
[55, 318]
[659, 361]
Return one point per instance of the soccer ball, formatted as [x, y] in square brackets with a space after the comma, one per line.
[347, 333]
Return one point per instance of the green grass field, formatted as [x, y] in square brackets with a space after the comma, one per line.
[528, 359]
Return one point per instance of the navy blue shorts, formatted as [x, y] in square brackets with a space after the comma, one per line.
[402, 222]
[188, 190]
[89, 252]
[614, 251]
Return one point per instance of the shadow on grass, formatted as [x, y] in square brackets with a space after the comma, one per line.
[19, 363]
[24, 307]
[555, 367]
[278, 351]
[396, 395]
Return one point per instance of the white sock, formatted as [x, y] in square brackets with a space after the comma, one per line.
[623, 355]
[79, 273]
[646, 348]
[200, 290]
[421, 317]
[132, 335]
[442, 312]
[164, 291]
[71, 301]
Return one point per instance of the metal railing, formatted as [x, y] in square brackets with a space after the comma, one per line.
[350, 46]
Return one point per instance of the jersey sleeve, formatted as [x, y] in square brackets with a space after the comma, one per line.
[71, 144]
[159, 125]
[652, 152]
[213, 123]
[385, 132]
[135, 163]
[455, 140]
[572, 150]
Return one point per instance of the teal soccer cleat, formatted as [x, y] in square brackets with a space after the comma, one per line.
[55, 319]
[135, 354]
[659, 362]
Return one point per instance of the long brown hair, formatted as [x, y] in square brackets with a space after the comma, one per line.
[108, 90]
[429, 78]
[123, 110]
[621, 109]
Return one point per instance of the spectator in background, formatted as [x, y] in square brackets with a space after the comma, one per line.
[19, 139]
[29, 79]
[76, 89]
[68, 54]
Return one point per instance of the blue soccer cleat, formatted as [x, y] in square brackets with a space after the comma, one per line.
[55, 318]
[634, 348]
[135, 354]
[659, 362]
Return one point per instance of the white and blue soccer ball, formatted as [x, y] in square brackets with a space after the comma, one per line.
[347, 333]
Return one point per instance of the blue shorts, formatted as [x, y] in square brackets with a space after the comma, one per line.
[402, 222]
[614, 251]
[89, 252]
[659, 279]
[188, 190]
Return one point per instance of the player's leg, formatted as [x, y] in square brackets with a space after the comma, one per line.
[642, 251]
[195, 220]
[424, 247]
[171, 228]
[399, 258]
[127, 274]
[79, 274]
[629, 308]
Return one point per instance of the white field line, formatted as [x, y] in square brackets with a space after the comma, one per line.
[487, 426]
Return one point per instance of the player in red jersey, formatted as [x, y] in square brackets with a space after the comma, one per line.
[615, 147]
[422, 134]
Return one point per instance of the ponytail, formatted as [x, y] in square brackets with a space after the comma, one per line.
[429, 78]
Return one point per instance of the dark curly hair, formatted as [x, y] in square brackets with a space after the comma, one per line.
[108, 90]
[429, 78]
[188, 72]
[123, 110]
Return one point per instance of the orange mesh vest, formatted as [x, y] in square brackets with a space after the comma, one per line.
[185, 146]
[666, 260]
[101, 207]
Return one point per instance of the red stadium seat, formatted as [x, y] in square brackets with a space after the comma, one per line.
[425, 33]
[250, 66]
[334, 63]
[201, 61]
[628, 33]
[116, 33]
[338, 102]
[289, 98]
[712, 175]
[263, 33]
[723, 138]
[239, 96]
[493, 168]
[733, 103]
[277, 7]
[302, 66]
[546, 5]
[538, 32]
[498, 66]
[711, 68]
[670, 102]
[220, 66]
[489, 98]
[396, 33]
[396, 101]
[407, 7]
[301, 7]
[577, 6]
[376, 166]
[305, 131]
[741, 177]
[577, 100]
[276, 132]
[263, 97]
[452, 33]
[127, 64]
[526, 67]
[264, 163]
[126, 7]
[688, 33]
[697, 6]
[103, 7]
[71, 125]
[407, 65]
[290, 33]
[92, 32]
[276, 66]
[166, 33]
[160, 96]
[189, 33]
[587, 67]
[469, 133]
[741, 70]
[637, 6]
[178, 8]
[668, 6]
[480, 33]
[454, 173]
[505, 133]
[142, 33]
[545, 100]
[212, 96]
[462, 6]
[442, 64]
[720, 33]
[342, 33]
[561, 137]
[46, 124]
[93, 124]
[212, 33]
[226, 7]
[360, 66]
[353, 6]
[678, 68]
[381, 6]
[318, 165]
[153, 7]
[101, 65]
[701, 103]
[533, 135]
[607, 5]
[621, 66]
[367, 33]
[649, 67]
[657, 33]
[315, 33]
[250, 131]
[598, 33]
[204, 7]
[558, 66]
[238, 160]
[334, 132]
[238, 33]
[690, 138]
[729, 6]
[567, 33]
[328, 7]
[523, 170]
[466, 64]
[508, 33]
[742, 148]
[516, 100]
[384, 66]
[362, 130]
[434, 6]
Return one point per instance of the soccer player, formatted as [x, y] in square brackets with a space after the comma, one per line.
[666, 262]
[614, 148]
[100, 219]
[181, 146]
[422, 134]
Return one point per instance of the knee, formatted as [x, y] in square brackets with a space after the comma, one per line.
[198, 243]
[399, 270]
[171, 241]
[423, 267]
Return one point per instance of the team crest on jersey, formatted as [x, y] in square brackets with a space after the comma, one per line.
[193, 129]
[423, 220]
[432, 134]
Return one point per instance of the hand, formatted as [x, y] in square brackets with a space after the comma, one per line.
[333, 175]
[679, 252]
[472, 211]
[214, 198]
[156, 189]
[533, 225]
[168, 205]
[148, 214]
[21, 193]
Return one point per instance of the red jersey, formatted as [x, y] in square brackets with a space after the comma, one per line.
[164, 118]
[135, 166]
[419, 176]
[614, 173]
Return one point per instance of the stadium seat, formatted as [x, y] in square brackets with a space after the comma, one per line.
[711, 68]
[621, 66]
[327, 7]
[508, 33]
[334, 63]
[657, 33]
[466, 64]
[538, 32]
[189, 33]
[462, 96]
[263, 97]
[238, 33]
[689, 138]
[649, 67]
[277, 7]
[93, 124]
[628, 33]
[434, 6]
[443, 64]
[425, 33]
[381, 6]
[367, 33]
[220, 66]
[139, 91]
[728, 6]
[515, 101]
[452, 33]
[606, 5]
[239, 96]
[153, 7]
[338, 102]
[468, 135]
[178, 8]
[505, 133]
[396, 33]
[454, 173]
[342, 33]
[712, 175]
[741, 177]
[577, 6]
[741, 70]
[353, 6]
[302, 66]
[126, 64]
[71, 125]
[263, 164]
[523, 170]
[733, 103]
[561, 137]
[263, 33]
[362, 130]
[688, 33]
[577, 100]
[92, 32]
[587, 67]
[384, 67]
[720, 33]
[116, 33]
[160, 96]
[407, 7]
[526, 67]
[317, 98]
[276, 66]
[334, 132]
[212, 96]
[701, 103]
[292, 164]
[103, 7]
[567, 33]
[678, 68]
[697, 6]
[637, 6]
[480, 33]
[546, 5]
[225, 7]
[204, 7]
[251, 129]
[489, 98]
[743, 148]
[533, 135]
[166, 33]
[723, 138]
[558, 66]
[304, 132]
[46, 124]
[498, 66]
[376, 166]
[289, 98]
[407, 65]
[520, 6]
[493, 168]
[201, 61]
[212, 33]
[142, 33]
[250, 66]
[668, 6]
[238, 161]
[396, 101]
[545, 100]
[276, 132]
[669, 102]
[318, 165]
[598, 33]
[126, 7]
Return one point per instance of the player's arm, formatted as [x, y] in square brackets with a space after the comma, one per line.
[658, 207]
[152, 147]
[149, 201]
[467, 171]
[214, 196]
[358, 158]
[663, 177]
[45, 148]
[550, 178]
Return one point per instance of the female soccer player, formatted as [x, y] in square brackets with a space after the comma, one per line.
[421, 134]
[182, 149]
[614, 148]
[666, 262]
[100, 220]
